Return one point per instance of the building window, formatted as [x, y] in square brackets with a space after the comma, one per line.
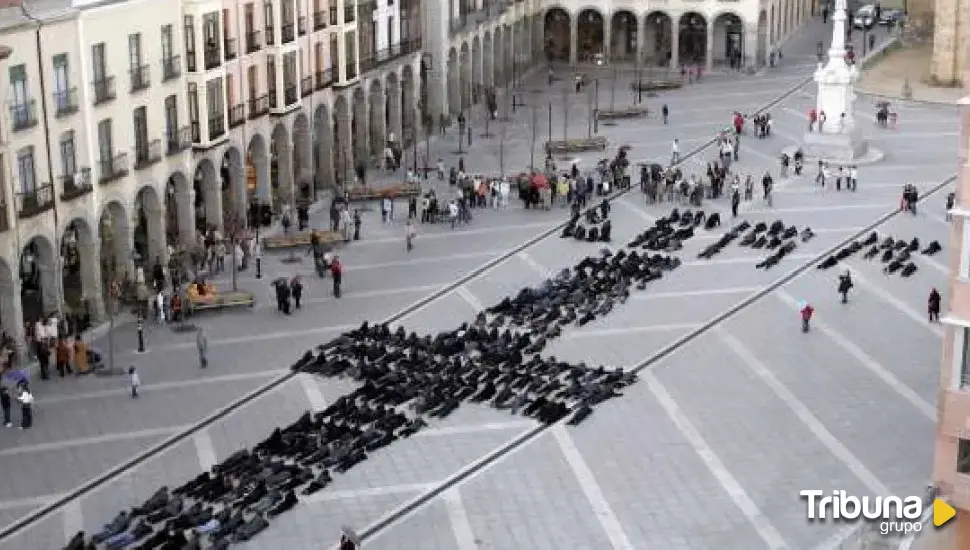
[18, 89]
[252, 80]
[171, 118]
[963, 456]
[61, 82]
[965, 359]
[25, 170]
[105, 147]
[390, 31]
[189, 29]
[134, 50]
[98, 62]
[68, 154]
[140, 119]
[167, 34]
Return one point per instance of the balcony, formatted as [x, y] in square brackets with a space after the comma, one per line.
[76, 185]
[351, 71]
[349, 13]
[212, 57]
[35, 201]
[104, 90]
[319, 20]
[230, 48]
[196, 132]
[287, 31]
[23, 115]
[258, 106]
[324, 79]
[171, 67]
[140, 77]
[147, 154]
[217, 126]
[306, 86]
[178, 140]
[65, 102]
[333, 16]
[273, 99]
[252, 42]
[301, 25]
[270, 35]
[374, 60]
[237, 115]
[290, 95]
[113, 168]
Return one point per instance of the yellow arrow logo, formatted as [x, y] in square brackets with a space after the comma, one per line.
[942, 512]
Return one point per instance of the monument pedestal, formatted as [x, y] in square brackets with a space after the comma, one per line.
[841, 148]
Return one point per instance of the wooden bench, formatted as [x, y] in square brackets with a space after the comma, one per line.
[300, 238]
[221, 300]
[363, 194]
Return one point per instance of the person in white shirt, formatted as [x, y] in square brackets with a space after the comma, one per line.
[504, 189]
[853, 178]
[26, 408]
[453, 213]
[675, 152]
[160, 307]
[134, 381]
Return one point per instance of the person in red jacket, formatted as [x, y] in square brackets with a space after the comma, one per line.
[337, 272]
[806, 312]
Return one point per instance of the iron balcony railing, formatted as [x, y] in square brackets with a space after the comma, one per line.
[76, 185]
[229, 45]
[65, 102]
[33, 202]
[104, 90]
[306, 86]
[171, 67]
[140, 76]
[270, 35]
[287, 30]
[237, 115]
[213, 57]
[351, 71]
[196, 132]
[178, 140]
[301, 25]
[258, 106]
[217, 126]
[252, 42]
[23, 115]
[113, 168]
[333, 15]
[290, 95]
[349, 13]
[319, 20]
[324, 78]
[272, 98]
[190, 61]
[147, 154]
[373, 60]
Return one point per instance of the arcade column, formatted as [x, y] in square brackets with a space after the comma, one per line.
[675, 46]
[709, 54]
[573, 39]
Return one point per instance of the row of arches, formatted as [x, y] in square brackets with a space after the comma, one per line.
[660, 39]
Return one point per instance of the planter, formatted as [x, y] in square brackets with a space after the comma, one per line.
[583, 145]
[365, 193]
[616, 114]
[656, 85]
[298, 239]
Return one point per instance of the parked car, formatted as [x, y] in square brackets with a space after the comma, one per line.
[865, 17]
[891, 17]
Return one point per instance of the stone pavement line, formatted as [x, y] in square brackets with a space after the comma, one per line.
[352, 295]
[313, 392]
[886, 296]
[728, 482]
[534, 265]
[106, 438]
[470, 298]
[72, 519]
[596, 333]
[873, 366]
[832, 443]
[253, 338]
[205, 450]
[458, 517]
[591, 489]
[350, 494]
[696, 293]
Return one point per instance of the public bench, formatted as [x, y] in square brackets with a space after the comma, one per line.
[582, 145]
[299, 238]
[363, 193]
[222, 300]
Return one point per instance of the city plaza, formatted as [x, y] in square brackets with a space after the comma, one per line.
[709, 450]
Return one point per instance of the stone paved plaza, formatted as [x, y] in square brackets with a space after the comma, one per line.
[708, 451]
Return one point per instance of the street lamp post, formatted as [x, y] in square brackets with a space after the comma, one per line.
[532, 148]
[113, 294]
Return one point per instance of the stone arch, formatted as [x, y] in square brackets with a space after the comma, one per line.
[464, 74]
[79, 260]
[343, 156]
[498, 56]
[623, 36]
[376, 119]
[409, 109]
[258, 187]
[302, 157]
[208, 197]
[476, 68]
[11, 310]
[323, 147]
[148, 237]
[179, 219]
[762, 48]
[454, 83]
[488, 76]
[693, 39]
[772, 26]
[115, 251]
[728, 47]
[590, 33]
[392, 109]
[358, 128]
[38, 284]
[281, 167]
[233, 183]
[658, 39]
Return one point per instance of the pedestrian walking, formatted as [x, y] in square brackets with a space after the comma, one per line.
[6, 404]
[665, 112]
[933, 306]
[409, 233]
[806, 311]
[296, 289]
[26, 408]
[337, 273]
[845, 285]
[202, 345]
[62, 355]
[133, 382]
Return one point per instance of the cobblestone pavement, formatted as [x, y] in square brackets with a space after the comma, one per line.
[708, 451]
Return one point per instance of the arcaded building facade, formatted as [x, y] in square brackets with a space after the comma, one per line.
[950, 23]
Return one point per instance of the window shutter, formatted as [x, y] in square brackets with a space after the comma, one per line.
[18, 73]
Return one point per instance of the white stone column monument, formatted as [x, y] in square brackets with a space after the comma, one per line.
[835, 137]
